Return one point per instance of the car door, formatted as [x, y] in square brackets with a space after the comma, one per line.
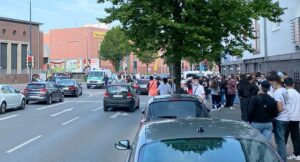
[135, 96]
[56, 91]
[51, 91]
[8, 96]
[15, 97]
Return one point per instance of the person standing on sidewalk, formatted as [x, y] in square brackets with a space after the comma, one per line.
[262, 111]
[245, 96]
[280, 123]
[164, 88]
[294, 118]
[223, 90]
[152, 87]
[231, 90]
[198, 89]
[215, 94]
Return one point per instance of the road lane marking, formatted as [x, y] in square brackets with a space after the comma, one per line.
[8, 117]
[23, 144]
[85, 101]
[97, 109]
[118, 114]
[46, 107]
[67, 122]
[66, 110]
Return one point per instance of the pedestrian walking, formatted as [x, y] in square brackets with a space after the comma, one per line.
[215, 94]
[231, 91]
[262, 111]
[294, 118]
[152, 87]
[198, 89]
[223, 90]
[164, 88]
[281, 122]
[105, 79]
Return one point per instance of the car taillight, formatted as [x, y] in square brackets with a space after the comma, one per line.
[72, 88]
[106, 94]
[129, 95]
[44, 90]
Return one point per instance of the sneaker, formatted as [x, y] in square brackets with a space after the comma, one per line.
[222, 106]
[292, 157]
[232, 108]
[218, 109]
[297, 158]
[212, 110]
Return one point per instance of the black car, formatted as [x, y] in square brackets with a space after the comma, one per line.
[121, 96]
[43, 91]
[141, 86]
[174, 106]
[70, 87]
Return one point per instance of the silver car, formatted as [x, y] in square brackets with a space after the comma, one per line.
[196, 140]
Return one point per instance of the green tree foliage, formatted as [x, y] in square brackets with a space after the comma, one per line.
[114, 47]
[191, 28]
[147, 57]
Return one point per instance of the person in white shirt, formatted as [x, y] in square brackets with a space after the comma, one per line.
[280, 123]
[294, 118]
[198, 89]
[164, 88]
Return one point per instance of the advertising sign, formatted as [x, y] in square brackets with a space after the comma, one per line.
[74, 65]
[95, 63]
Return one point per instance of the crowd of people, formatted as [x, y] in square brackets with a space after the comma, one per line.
[270, 103]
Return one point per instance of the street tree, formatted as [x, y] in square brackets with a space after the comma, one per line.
[194, 29]
[115, 47]
[147, 57]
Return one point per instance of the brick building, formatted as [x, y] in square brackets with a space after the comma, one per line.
[14, 46]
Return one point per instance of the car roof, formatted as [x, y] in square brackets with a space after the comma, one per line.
[177, 97]
[189, 128]
[42, 82]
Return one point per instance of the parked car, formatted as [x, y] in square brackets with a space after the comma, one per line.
[10, 98]
[174, 106]
[194, 140]
[121, 96]
[70, 87]
[141, 86]
[43, 91]
[56, 79]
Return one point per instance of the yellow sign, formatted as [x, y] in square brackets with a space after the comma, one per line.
[99, 35]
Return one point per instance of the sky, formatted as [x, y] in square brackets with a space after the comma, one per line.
[55, 14]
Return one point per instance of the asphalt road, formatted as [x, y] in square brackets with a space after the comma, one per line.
[77, 130]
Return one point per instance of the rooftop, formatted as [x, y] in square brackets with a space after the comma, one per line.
[19, 21]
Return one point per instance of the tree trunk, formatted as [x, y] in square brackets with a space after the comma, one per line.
[147, 66]
[177, 72]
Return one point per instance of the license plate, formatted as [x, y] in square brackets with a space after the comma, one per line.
[117, 96]
[66, 88]
[34, 96]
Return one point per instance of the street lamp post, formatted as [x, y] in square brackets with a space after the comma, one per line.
[30, 41]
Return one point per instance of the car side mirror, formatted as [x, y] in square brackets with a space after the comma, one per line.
[123, 145]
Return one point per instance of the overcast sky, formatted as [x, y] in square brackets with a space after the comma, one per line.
[55, 13]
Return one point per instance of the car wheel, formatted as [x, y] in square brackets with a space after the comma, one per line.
[23, 104]
[27, 102]
[105, 108]
[62, 98]
[49, 102]
[3, 108]
[77, 94]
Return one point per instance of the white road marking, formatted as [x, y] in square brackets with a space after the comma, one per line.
[85, 101]
[118, 114]
[67, 122]
[97, 109]
[23, 144]
[66, 110]
[8, 117]
[46, 107]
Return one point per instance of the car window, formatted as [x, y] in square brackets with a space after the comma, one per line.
[177, 109]
[115, 89]
[207, 149]
[11, 89]
[51, 85]
[36, 86]
[5, 90]
[66, 82]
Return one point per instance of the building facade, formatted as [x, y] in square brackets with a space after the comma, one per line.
[14, 47]
[276, 48]
[71, 49]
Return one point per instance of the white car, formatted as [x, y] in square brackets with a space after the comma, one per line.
[10, 98]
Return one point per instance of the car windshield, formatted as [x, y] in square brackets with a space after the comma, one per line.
[174, 109]
[60, 78]
[96, 74]
[207, 150]
[142, 81]
[66, 82]
[117, 89]
[36, 86]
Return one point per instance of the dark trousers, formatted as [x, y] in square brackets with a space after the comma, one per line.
[216, 100]
[230, 100]
[293, 129]
[245, 108]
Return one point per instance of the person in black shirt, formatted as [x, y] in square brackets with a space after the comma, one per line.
[262, 110]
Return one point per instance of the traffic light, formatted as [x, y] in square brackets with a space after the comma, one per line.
[29, 61]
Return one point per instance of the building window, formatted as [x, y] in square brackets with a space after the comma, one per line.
[24, 33]
[23, 56]
[296, 31]
[3, 56]
[3, 31]
[14, 56]
[256, 45]
[14, 32]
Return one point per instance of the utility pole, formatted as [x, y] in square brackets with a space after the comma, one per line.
[30, 42]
